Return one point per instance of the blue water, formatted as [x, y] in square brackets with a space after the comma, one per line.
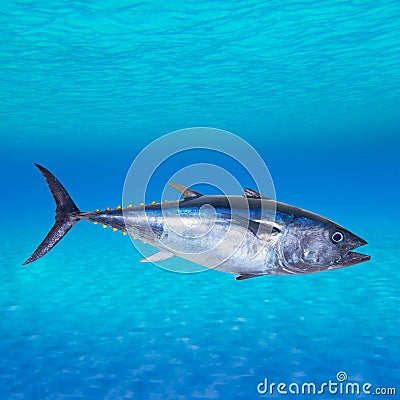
[314, 87]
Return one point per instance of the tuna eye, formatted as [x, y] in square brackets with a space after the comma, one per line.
[337, 237]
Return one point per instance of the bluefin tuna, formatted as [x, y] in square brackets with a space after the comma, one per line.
[250, 235]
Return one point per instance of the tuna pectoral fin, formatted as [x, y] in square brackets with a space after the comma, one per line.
[256, 228]
[245, 276]
[67, 215]
[160, 256]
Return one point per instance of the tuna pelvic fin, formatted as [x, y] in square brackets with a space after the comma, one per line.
[160, 256]
[245, 276]
[67, 215]
[187, 193]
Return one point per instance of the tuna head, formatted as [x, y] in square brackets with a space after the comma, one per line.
[312, 245]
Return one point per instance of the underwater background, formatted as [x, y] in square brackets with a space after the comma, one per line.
[314, 87]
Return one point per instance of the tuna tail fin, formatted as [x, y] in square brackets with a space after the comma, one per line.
[67, 215]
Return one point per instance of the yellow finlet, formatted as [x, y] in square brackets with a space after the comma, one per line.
[130, 206]
[141, 204]
[97, 209]
[104, 226]
[165, 201]
[124, 233]
[114, 229]
[108, 208]
[95, 222]
[118, 207]
[153, 202]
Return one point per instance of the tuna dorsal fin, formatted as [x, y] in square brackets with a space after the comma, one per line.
[187, 193]
[245, 276]
[160, 256]
[254, 194]
[256, 228]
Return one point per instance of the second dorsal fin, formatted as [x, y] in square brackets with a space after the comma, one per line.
[187, 192]
[254, 194]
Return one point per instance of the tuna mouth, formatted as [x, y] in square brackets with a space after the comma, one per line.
[352, 257]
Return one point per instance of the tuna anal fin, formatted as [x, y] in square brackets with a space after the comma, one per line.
[160, 256]
[187, 193]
